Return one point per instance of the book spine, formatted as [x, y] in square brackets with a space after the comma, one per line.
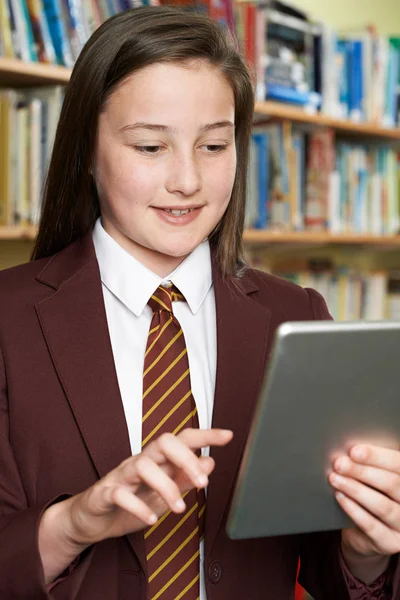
[20, 35]
[262, 141]
[320, 164]
[28, 31]
[261, 55]
[5, 30]
[252, 189]
[58, 32]
[4, 159]
[103, 7]
[78, 33]
[35, 180]
[356, 112]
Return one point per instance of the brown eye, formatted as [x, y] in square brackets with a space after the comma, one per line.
[215, 148]
[148, 149]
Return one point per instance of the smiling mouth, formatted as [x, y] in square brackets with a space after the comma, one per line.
[178, 213]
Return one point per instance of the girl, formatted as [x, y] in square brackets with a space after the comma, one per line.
[137, 337]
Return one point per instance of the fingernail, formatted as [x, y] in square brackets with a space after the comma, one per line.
[337, 478]
[226, 432]
[339, 495]
[152, 519]
[342, 465]
[358, 453]
[180, 505]
[202, 480]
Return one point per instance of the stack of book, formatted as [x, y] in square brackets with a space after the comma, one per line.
[349, 75]
[278, 42]
[299, 180]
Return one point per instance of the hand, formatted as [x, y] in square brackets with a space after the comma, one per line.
[143, 487]
[367, 484]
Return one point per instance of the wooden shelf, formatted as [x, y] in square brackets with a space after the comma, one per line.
[260, 237]
[265, 237]
[284, 111]
[17, 73]
[18, 233]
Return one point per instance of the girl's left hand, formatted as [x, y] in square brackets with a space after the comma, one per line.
[367, 484]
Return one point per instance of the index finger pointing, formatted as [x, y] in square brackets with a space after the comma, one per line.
[199, 438]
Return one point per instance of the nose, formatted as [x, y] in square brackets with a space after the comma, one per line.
[183, 176]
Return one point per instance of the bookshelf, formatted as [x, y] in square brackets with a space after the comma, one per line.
[282, 111]
[262, 237]
[20, 74]
[18, 233]
[17, 73]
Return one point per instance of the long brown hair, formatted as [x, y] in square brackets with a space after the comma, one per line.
[124, 44]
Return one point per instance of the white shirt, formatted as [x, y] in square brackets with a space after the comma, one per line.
[127, 285]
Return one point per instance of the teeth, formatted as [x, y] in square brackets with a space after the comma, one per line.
[178, 213]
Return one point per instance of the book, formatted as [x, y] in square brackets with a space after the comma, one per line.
[320, 164]
[58, 33]
[19, 32]
[5, 30]
[261, 140]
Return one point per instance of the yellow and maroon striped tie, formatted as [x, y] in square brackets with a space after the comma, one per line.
[172, 544]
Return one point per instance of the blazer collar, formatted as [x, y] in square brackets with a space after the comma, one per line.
[68, 263]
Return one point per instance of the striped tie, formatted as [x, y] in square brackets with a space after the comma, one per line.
[172, 544]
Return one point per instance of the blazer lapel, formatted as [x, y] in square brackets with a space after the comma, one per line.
[74, 324]
[242, 335]
[76, 333]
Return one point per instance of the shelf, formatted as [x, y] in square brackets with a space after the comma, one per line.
[284, 111]
[265, 237]
[18, 233]
[17, 73]
[259, 237]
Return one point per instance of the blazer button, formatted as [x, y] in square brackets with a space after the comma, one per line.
[214, 572]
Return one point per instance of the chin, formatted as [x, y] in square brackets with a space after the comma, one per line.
[179, 250]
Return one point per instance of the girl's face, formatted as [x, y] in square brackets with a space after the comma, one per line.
[165, 161]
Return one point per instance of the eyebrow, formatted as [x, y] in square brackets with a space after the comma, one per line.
[155, 127]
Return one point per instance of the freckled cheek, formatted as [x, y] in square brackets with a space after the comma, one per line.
[139, 188]
[130, 181]
[222, 182]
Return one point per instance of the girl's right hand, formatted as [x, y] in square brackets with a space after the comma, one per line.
[142, 488]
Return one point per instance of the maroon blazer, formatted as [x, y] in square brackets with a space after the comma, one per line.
[62, 426]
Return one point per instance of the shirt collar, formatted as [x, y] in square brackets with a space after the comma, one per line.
[133, 284]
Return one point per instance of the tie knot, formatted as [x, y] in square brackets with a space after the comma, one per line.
[163, 297]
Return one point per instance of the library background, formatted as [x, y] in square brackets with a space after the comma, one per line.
[324, 175]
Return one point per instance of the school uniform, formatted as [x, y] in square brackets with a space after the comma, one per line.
[73, 332]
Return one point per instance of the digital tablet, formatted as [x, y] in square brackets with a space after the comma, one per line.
[328, 386]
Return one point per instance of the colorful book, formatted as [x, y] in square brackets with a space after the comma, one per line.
[58, 32]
